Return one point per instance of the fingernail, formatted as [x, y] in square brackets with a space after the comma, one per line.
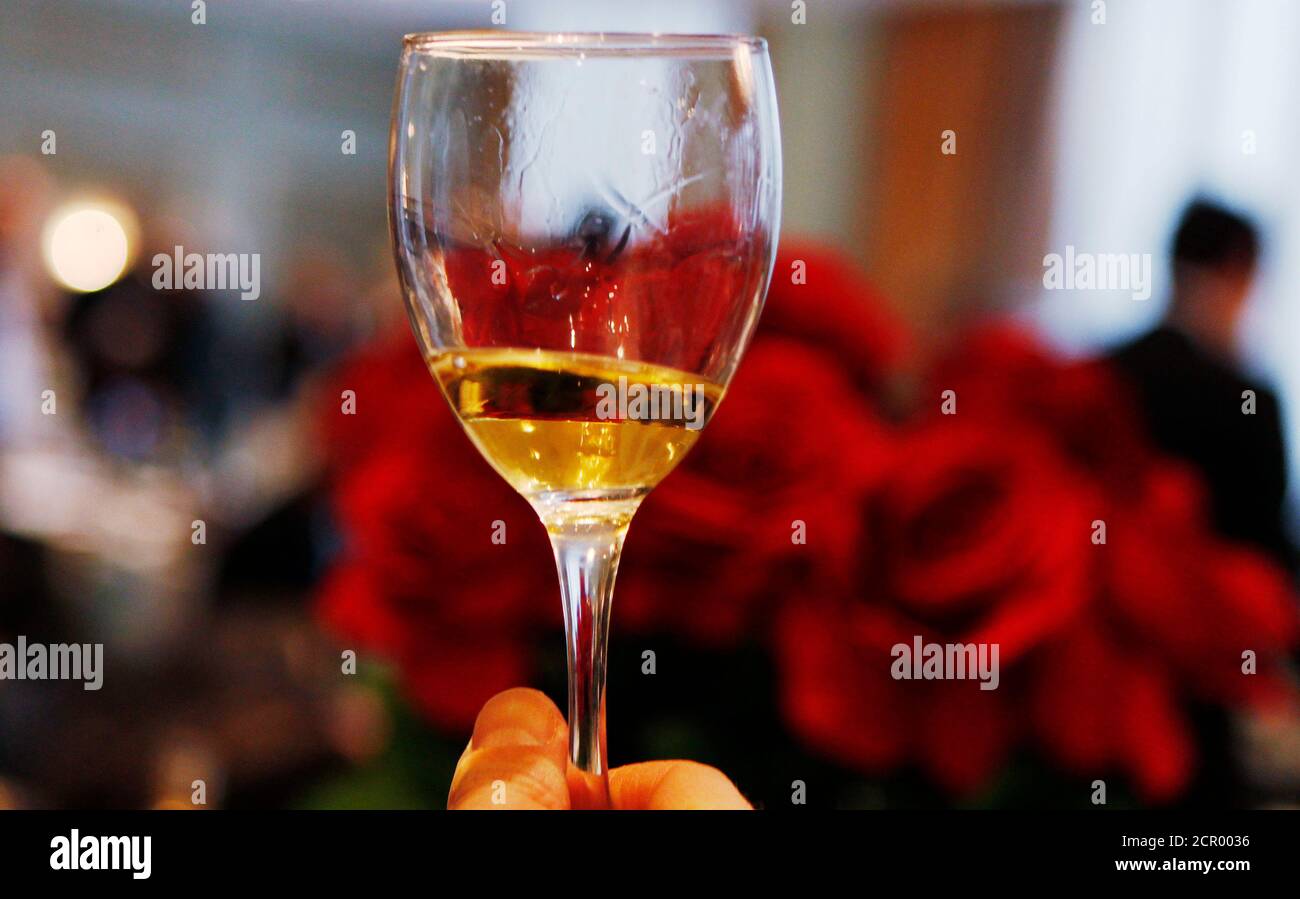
[511, 736]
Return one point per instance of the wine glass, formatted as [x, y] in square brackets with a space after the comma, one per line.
[584, 227]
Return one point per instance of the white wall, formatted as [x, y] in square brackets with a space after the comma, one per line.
[1152, 106]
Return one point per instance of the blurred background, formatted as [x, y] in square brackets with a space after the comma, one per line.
[128, 129]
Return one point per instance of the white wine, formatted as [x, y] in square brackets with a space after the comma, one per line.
[573, 426]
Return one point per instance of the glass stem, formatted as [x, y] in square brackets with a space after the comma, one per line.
[586, 555]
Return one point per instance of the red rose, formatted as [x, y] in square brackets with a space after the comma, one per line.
[796, 440]
[817, 295]
[1098, 706]
[839, 696]
[420, 579]
[1001, 373]
[1177, 607]
[1110, 694]
[1192, 600]
[976, 535]
[424, 524]
[764, 500]
[1170, 608]
[391, 394]
[449, 671]
[979, 535]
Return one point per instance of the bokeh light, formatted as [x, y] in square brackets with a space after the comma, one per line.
[87, 246]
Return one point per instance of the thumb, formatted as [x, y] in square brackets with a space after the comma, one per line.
[516, 758]
[673, 785]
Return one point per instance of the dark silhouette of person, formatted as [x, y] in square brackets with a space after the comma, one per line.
[1198, 404]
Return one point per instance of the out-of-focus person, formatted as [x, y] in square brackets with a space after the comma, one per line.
[1199, 404]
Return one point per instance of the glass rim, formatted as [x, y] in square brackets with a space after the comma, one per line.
[493, 44]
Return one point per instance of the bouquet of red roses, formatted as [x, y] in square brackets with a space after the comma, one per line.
[1009, 501]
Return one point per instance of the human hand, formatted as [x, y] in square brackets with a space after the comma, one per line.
[518, 758]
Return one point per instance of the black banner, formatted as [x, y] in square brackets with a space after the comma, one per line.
[334, 848]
